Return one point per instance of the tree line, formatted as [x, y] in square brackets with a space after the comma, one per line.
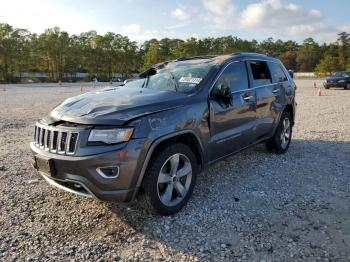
[60, 55]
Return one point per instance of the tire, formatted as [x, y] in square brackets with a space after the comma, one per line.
[347, 87]
[280, 142]
[170, 179]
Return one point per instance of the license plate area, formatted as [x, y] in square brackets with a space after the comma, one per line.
[45, 165]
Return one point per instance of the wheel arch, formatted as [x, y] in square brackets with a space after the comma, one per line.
[187, 137]
[290, 109]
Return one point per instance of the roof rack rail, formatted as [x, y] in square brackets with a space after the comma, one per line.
[195, 57]
[250, 53]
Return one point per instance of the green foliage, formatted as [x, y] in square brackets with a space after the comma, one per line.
[328, 65]
[60, 55]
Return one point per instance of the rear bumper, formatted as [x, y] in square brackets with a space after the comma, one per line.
[334, 84]
[81, 175]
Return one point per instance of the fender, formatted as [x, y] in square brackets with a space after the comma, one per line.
[153, 147]
[293, 104]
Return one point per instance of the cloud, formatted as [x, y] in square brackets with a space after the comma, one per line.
[289, 20]
[221, 13]
[140, 34]
[180, 14]
[272, 17]
[131, 29]
[272, 13]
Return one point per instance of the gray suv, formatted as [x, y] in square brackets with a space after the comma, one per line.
[152, 136]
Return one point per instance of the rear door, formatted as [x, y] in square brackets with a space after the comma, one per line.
[232, 123]
[267, 95]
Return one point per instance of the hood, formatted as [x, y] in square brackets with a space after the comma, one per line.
[115, 106]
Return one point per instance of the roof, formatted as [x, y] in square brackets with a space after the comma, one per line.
[219, 59]
[215, 59]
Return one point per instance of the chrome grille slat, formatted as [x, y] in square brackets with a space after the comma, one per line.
[59, 143]
[41, 137]
[56, 139]
[46, 138]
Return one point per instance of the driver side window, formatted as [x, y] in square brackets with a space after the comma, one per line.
[234, 76]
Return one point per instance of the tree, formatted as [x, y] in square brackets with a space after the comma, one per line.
[61, 55]
[14, 51]
[152, 56]
[343, 49]
[328, 65]
[289, 59]
[309, 55]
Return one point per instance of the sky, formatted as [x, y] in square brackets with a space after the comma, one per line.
[142, 20]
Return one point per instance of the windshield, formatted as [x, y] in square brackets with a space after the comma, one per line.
[178, 77]
[342, 74]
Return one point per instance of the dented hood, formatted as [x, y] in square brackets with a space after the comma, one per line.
[115, 106]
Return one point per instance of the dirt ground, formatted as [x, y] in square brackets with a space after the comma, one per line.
[254, 206]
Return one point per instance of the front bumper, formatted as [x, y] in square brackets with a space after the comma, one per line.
[80, 175]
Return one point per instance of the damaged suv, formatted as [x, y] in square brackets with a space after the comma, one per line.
[153, 136]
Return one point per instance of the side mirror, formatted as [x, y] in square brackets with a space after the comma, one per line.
[223, 93]
[291, 73]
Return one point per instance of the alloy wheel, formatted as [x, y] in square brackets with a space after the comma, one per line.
[174, 179]
[286, 133]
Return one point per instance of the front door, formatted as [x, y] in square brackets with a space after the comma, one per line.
[232, 121]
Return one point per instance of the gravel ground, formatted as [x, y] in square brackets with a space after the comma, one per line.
[254, 206]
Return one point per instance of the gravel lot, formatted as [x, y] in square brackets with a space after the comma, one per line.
[254, 206]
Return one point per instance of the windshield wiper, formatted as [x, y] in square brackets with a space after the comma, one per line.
[144, 85]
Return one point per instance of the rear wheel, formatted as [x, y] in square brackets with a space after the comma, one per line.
[347, 86]
[280, 142]
[170, 179]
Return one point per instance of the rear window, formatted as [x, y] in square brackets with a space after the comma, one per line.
[277, 73]
[261, 73]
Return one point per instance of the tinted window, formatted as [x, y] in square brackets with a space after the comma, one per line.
[277, 73]
[234, 76]
[261, 73]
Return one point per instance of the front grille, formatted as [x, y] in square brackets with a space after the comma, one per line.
[55, 140]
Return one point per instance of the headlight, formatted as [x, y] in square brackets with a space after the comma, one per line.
[341, 81]
[110, 136]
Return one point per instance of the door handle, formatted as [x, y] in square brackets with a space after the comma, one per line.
[276, 90]
[247, 98]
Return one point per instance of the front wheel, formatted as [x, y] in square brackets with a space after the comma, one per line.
[347, 86]
[280, 142]
[170, 179]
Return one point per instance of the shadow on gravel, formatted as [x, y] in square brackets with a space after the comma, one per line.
[287, 192]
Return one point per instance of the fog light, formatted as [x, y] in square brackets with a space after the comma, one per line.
[108, 171]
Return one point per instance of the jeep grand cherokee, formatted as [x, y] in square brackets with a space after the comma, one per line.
[155, 134]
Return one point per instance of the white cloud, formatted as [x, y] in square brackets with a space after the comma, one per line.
[140, 34]
[272, 13]
[131, 29]
[219, 7]
[289, 20]
[180, 14]
[221, 13]
[272, 17]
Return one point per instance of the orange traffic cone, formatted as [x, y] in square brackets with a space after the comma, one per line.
[81, 89]
[319, 93]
